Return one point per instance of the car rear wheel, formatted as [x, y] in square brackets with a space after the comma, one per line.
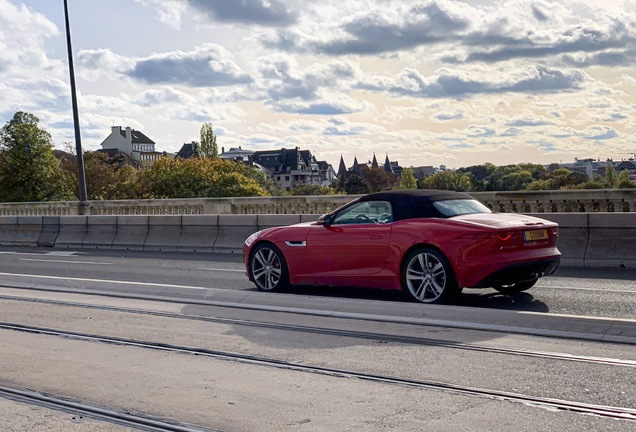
[516, 287]
[428, 277]
[268, 269]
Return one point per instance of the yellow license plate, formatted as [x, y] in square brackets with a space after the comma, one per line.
[535, 235]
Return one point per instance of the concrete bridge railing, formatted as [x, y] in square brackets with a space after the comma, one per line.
[566, 201]
[586, 239]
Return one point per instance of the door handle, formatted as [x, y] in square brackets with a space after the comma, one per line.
[376, 237]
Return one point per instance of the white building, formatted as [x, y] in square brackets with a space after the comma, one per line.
[294, 167]
[237, 154]
[133, 143]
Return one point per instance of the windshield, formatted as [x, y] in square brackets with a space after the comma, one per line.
[460, 206]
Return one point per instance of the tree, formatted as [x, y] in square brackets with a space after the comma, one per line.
[624, 182]
[377, 179]
[106, 180]
[355, 184]
[481, 175]
[208, 147]
[449, 180]
[407, 179]
[198, 178]
[29, 170]
[312, 189]
[610, 180]
[516, 181]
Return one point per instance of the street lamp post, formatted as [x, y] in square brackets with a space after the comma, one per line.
[78, 139]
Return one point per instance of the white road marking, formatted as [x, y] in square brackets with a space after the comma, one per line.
[586, 289]
[331, 313]
[106, 281]
[55, 253]
[63, 261]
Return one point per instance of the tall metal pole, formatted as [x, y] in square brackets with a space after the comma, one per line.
[78, 139]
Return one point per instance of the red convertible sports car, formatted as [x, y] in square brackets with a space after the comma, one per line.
[428, 243]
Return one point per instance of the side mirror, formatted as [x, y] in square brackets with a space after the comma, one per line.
[325, 219]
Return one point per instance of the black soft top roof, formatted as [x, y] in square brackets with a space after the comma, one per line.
[416, 195]
[415, 203]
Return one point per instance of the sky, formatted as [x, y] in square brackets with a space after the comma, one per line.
[434, 82]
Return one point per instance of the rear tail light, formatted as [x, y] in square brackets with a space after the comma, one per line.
[504, 236]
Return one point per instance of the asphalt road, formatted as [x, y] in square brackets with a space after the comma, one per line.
[571, 291]
[248, 395]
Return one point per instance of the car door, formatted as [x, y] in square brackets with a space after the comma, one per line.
[354, 244]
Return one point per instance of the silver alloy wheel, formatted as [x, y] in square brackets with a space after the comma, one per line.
[426, 277]
[266, 269]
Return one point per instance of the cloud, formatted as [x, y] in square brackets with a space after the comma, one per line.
[588, 37]
[554, 33]
[32, 30]
[209, 65]
[383, 31]
[331, 106]
[411, 83]
[599, 133]
[282, 78]
[318, 89]
[543, 79]
[538, 13]
[446, 116]
[339, 127]
[532, 122]
[273, 13]
[547, 146]
[93, 64]
[608, 58]
[478, 131]
[511, 132]
[166, 95]
[169, 11]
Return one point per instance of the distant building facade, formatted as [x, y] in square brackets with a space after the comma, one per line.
[132, 143]
[237, 154]
[188, 150]
[294, 167]
[595, 167]
[422, 172]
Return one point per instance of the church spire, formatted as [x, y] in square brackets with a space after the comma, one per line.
[374, 163]
[387, 165]
[342, 168]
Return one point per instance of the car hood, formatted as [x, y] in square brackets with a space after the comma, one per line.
[296, 228]
[502, 220]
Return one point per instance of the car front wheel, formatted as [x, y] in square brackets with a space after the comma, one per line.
[428, 277]
[268, 269]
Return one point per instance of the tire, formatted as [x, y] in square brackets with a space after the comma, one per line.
[516, 287]
[268, 268]
[427, 277]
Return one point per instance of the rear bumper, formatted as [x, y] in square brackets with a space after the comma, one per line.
[520, 272]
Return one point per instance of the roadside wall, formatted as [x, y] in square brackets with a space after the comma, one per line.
[585, 240]
[559, 201]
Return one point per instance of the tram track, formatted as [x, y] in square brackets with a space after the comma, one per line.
[615, 412]
[385, 337]
[83, 409]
